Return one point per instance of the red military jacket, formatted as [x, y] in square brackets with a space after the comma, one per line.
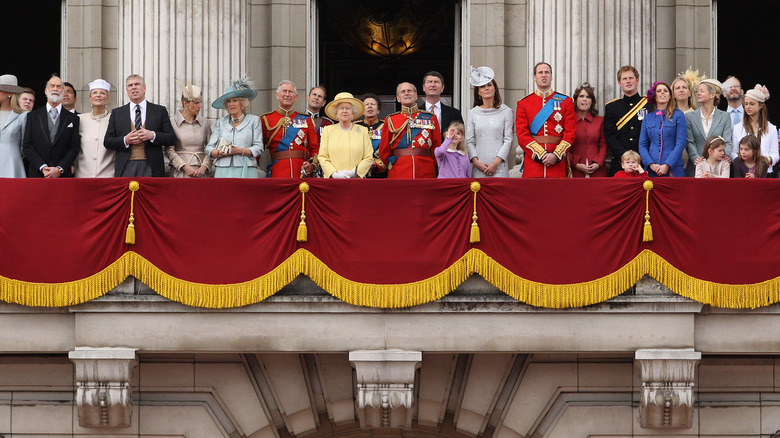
[404, 131]
[289, 131]
[561, 123]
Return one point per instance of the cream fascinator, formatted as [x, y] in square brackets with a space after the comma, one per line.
[190, 92]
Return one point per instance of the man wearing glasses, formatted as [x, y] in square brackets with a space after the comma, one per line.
[732, 91]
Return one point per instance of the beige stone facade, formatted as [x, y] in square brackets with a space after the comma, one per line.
[301, 363]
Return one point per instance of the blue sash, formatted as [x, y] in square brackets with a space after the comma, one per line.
[545, 113]
[404, 141]
[284, 143]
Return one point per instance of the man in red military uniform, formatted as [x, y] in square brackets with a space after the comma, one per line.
[545, 127]
[409, 138]
[290, 137]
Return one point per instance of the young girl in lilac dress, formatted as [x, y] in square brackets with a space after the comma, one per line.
[451, 155]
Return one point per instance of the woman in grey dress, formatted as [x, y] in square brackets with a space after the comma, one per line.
[12, 123]
[490, 127]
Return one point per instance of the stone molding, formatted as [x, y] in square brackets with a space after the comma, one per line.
[385, 386]
[666, 398]
[103, 389]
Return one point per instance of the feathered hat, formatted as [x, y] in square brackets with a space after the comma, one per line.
[190, 92]
[243, 87]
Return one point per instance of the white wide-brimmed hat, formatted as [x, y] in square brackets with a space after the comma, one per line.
[481, 76]
[9, 84]
[243, 87]
[330, 109]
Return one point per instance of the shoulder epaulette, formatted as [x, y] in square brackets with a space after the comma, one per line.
[613, 100]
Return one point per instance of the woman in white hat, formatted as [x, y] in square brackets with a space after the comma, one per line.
[12, 123]
[490, 128]
[237, 140]
[187, 157]
[345, 147]
[706, 121]
[756, 123]
[94, 160]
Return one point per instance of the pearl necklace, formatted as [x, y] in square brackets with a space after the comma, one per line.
[99, 116]
[237, 120]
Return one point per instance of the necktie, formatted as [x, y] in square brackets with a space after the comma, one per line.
[53, 114]
[735, 116]
[137, 117]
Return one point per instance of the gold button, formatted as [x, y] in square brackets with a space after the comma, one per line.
[632, 127]
[630, 139]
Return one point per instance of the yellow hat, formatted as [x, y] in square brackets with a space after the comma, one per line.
[330, 109]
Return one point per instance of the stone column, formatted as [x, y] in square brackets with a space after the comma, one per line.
[199, 40]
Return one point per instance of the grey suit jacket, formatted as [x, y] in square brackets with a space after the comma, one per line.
[721, 125]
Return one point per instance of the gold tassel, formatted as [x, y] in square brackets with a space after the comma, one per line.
[647, 234]
[474, 237]
[303, 233]
[130, 234]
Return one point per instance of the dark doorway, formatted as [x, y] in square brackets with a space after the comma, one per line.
[33, 33]
[745, 48]
[372, 46]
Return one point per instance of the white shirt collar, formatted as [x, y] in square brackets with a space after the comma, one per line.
[49, 107]
[141, 103]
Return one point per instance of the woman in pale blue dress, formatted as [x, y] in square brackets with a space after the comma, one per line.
[490, 127]
[237, 139]
[12, 123]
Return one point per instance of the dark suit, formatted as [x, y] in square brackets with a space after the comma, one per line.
[120, 124]
[620, 141]
[38, 147]
[448, 115]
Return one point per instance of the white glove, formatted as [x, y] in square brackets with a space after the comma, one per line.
[339, 174]
[350, 173]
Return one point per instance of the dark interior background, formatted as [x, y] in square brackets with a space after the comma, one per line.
[748, 49]
[345, 67]
[33, 32]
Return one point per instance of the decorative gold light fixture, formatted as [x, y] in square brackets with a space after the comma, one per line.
[386, 29]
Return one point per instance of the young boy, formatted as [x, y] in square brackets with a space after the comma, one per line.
[631, 163]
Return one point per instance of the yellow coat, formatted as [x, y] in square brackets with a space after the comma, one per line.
[345, 150]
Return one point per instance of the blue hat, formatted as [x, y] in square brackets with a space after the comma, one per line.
[243, 87]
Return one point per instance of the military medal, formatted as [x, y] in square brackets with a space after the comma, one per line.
[557, 117]
[558, 129]
[641, 114]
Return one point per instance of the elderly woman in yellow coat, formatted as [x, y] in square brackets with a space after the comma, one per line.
[345, 147]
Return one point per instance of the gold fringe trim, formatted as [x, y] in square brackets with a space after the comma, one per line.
[69, 293]
[537, 294]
